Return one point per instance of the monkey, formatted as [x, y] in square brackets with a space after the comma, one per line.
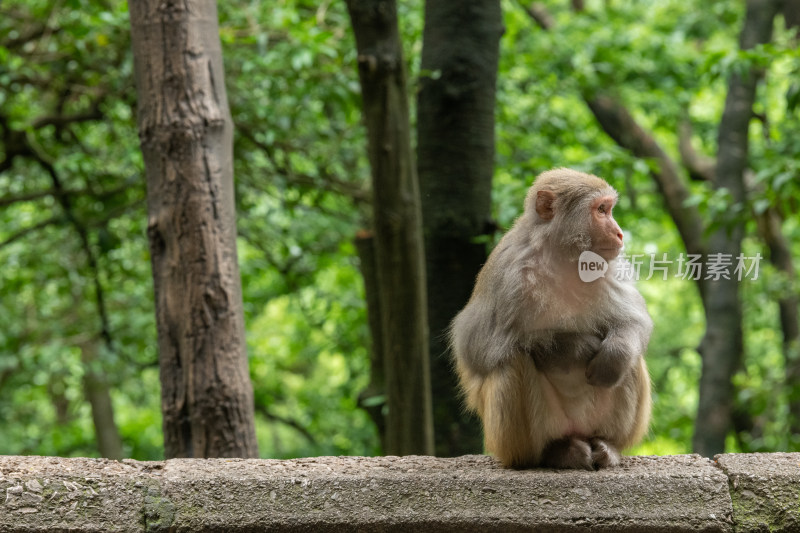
[553, 365]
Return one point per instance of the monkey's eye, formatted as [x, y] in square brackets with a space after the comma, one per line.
[602, 209]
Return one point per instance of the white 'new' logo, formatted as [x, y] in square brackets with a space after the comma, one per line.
[591, 266]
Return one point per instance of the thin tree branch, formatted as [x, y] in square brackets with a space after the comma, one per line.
[36, 227]
[63, 120]
[700, 167]
[36, 30]
[66, 203]
[38, 195]
[288, 421]
[333, 183]
[539, 13]
[27, 197]
[619, 124]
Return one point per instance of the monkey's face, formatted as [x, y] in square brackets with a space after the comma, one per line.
[604, 232]
[579, 218]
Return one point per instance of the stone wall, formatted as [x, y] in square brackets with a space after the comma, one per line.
[736, 492]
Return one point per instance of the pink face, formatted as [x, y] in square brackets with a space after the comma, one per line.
[603, 229]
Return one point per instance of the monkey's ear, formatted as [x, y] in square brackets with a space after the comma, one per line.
[544, 204]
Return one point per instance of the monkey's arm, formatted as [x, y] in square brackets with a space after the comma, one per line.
[553, 350]
[487, 332]
[480, 338]
[624, 344]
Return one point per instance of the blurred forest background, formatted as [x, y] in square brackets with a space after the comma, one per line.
[631, 90]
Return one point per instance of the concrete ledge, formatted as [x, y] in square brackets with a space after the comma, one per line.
[758, 492]
[765, 490]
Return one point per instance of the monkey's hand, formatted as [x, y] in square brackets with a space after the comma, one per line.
[564, 350]
[612, 361]
[585, 346]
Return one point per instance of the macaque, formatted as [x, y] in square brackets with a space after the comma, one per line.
[553, 365]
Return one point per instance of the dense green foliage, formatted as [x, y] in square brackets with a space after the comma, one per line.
[73, 218]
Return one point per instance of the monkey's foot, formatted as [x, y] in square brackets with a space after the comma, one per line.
[603, 454]
[568, 453]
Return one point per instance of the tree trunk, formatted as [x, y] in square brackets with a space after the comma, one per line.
[185, 131]
[770, 224]
[781, 257]
[98, 394]
[455, 158]
[398, 230]
[791, 13]
[722, 345]
[373, 398]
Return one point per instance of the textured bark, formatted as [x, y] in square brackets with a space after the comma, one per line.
[722, 345]
[398, 230]
[455, 156]
[185, 131]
